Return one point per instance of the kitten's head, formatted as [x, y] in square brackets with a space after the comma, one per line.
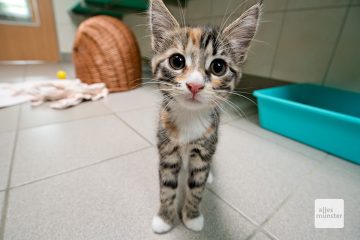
[197, 66]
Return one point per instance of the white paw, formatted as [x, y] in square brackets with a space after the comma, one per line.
[159, 226]
[210, 178]
[195, 224]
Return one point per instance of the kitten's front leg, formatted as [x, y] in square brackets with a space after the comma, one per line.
[199, 168]
[169, 168]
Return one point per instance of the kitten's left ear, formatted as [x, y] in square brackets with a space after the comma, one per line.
[161, 22]
[240, 32]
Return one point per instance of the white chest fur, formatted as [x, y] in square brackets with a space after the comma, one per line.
[191, 124]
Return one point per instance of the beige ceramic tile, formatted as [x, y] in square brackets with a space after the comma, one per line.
[6, 150]
[41, 71]
[298, 4]
[9, 118]
[260, 236]
[48, 150]
[306, 44]
[143, 121]
[12, 73]
[252, 125]
[113, 200]
[263, 47]
[344, 71]
[255, 175]
[43, 114]
[141, 97]
[198, 9]
[275, 5]
[295, 220]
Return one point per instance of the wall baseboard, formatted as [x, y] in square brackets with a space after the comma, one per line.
[65, 57]
[251, 83]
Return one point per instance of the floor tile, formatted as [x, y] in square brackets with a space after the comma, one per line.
[251, 124]
[92, 204]
[46, 71]
[12, 73]
[239, 107]
[295, 220]
[255, 175]
[338, 163]
[6, 149]
[148, 127]
[141, 97]
[2, 194]
[43, 114]
[69, 68]
[8, 118]
[260, 236]
[145, 126]
[51, 149]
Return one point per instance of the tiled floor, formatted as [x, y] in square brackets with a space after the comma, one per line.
[90, 172]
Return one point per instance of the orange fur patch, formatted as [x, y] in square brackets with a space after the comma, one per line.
[216, 82]
[167, 124]
[195, 36]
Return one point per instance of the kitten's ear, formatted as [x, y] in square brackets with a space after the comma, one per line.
[240, 32]
[161, 21]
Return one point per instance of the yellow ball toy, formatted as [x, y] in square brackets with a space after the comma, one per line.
[61, 74]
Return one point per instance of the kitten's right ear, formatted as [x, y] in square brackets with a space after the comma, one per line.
[161, 22]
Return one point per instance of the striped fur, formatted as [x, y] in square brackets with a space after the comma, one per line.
[188, 126]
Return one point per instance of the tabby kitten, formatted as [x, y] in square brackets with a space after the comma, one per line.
[195, 67]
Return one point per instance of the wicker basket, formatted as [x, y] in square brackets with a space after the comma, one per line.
[105, 50]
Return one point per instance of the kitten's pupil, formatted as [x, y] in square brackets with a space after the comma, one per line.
[218, 67]
[177, 61]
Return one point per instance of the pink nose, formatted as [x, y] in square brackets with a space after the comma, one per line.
[194, 87]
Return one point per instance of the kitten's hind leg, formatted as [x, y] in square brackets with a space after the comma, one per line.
[170, 165]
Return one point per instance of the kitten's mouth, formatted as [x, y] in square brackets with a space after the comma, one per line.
[193, 99]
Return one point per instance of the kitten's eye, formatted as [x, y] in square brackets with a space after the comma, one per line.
[177, 61]
[218, 67]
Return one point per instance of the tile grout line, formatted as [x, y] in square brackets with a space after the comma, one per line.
[78, 168]
[258, 227]
[78, 119]
[238, 212]
[278, 40]
[268, 218]
[277, 143]
[133, 129]
[284, 10]
[234, 208]
[67, 121]
[7, 190]
[337, 41]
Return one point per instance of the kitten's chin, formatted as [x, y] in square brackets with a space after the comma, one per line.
[192, 104]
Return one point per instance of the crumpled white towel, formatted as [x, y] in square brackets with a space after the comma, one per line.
[62, 93]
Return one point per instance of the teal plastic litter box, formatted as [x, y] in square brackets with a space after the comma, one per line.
[322, 117]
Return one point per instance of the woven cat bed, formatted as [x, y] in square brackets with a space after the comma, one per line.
[105, 50]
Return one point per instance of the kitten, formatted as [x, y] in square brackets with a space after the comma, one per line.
[195, 67]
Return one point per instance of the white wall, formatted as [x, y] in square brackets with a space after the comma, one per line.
[66, 23]
[298, 40]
